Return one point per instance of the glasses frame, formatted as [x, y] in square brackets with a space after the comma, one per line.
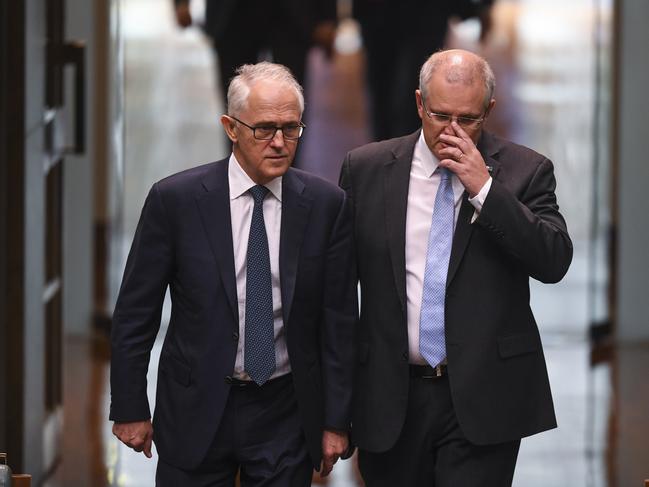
[275, 129]
[472, 122]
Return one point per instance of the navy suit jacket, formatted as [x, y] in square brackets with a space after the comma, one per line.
[496, 369]
[184, 241]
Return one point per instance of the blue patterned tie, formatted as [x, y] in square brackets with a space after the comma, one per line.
[259, 357]
[432, 343]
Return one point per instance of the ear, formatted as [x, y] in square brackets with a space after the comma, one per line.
[229, 127]
[489, 107]
[420, 104]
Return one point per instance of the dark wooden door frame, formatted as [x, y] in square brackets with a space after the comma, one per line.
[12, 161]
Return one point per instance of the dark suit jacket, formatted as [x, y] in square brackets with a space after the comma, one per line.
[184, 241]
[497, 371]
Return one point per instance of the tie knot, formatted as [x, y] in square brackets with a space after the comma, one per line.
[258, 193]
[444, 173]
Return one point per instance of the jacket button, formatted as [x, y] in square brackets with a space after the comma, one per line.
[404, 356]
[228, 379]
[235, 336]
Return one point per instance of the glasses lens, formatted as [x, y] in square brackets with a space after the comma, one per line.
[264, 133]
[441, 117]
[288, 132]
[468, 122]
[292, 131]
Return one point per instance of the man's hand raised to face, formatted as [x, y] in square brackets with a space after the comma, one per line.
[464, 159]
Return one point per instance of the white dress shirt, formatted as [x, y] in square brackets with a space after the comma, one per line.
[424, 181]
[241, 206]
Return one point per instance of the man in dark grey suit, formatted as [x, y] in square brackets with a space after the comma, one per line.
[256, 369]
[450, 224]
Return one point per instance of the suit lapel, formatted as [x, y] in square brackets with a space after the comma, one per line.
[488, 147]
[295, 217]
[396, 180]
[214, 208]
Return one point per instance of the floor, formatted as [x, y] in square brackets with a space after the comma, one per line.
[546, 64]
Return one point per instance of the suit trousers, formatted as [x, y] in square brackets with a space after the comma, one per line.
[432, 451]
[260, 438]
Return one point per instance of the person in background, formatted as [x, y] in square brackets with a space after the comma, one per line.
[255, 373]
[248, 31]
[451, 222]
[398, 36]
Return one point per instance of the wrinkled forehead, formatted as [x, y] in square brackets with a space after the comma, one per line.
[273, 96]
[455, 95]
[273, 103]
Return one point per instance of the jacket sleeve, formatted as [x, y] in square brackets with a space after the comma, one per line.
[136, 319]
[339, 316]
[528, 225]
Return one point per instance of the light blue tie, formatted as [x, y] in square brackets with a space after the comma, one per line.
[259, 357]
[432, 343]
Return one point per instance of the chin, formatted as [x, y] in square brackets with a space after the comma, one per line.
[277, 170]
[435, 152]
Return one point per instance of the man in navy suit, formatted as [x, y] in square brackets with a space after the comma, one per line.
[256, 368]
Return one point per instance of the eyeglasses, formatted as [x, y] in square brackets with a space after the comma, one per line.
[444, 118]
[267, 132]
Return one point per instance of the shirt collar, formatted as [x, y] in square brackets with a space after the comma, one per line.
[240, 182]
[425, 163]
[423, 157]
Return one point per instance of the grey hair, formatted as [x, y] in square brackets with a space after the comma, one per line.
[465, 74]
[249, 74]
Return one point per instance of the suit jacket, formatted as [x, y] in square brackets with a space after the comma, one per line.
[184, 241]
[496, 367]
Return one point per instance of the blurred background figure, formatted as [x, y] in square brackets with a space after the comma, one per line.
[282, 31]
[398, 36]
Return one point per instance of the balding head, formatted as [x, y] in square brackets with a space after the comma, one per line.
[458, 66]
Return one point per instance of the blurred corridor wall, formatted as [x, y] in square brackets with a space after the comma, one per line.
[630, 146]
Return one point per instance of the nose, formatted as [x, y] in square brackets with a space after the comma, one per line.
[448, 129]
[278, 138]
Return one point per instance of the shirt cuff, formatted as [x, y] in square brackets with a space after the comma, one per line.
[478, 200]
